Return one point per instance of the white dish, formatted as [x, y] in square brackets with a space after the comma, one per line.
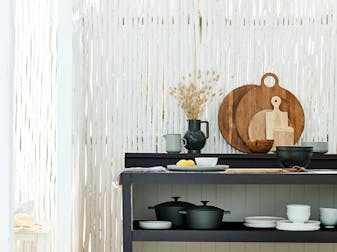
[206, 161]
[318, 147]
[287, 225]
[197, 168]
[260, 225]
[155, 224]
[262, 219]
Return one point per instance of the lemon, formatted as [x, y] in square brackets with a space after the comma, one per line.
[190, 162]
[184, 162]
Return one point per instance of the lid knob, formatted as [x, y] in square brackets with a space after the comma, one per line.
[204, 202]
[176, 198]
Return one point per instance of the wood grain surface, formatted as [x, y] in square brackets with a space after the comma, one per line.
[259, 98]
[283, 136]
[275, 118]
[257, 125]
[226, 117]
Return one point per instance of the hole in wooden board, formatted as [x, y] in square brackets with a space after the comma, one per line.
[269, 81]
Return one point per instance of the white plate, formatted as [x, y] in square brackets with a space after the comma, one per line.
[260, 225]
[197, 168]
[155, 224]
[287, 225]
[262, 219]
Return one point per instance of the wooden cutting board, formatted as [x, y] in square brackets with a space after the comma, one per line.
[259, 98]
[257, 125]
[252, 170]
[265, 170]
[226, 117]
[283, 136]
[275, 118]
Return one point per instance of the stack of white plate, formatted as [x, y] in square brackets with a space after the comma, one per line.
[261, 221]
[155, 224]
[287, 225]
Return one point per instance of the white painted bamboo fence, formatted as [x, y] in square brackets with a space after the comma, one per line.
[126, 55]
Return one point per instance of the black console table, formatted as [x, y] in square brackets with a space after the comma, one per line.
[231, 231]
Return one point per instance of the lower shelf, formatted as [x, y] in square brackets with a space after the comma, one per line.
[235, 232]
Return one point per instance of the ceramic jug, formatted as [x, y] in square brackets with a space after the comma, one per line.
[195, 138]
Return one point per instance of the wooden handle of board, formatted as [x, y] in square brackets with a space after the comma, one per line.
[263, 84]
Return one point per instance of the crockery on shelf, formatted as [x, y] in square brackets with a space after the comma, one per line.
[319, 147]
[261, 221]
[260, 225]
[328, 217]
[174, 143]
[155, 224]
[298, 213]
[206, 161]
[287, 225]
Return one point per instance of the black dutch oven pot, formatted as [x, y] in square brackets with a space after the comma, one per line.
[204, 217]
[169, 211]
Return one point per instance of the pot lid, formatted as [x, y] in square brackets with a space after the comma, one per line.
[175, 203]
[205, 207]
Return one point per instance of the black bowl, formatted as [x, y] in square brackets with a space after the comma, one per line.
[290, 156]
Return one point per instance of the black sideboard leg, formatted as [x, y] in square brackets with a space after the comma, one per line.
[127, 216]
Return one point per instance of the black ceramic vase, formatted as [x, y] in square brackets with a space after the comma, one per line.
[195, 138]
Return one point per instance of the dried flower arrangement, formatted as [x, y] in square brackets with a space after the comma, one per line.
[192, 95]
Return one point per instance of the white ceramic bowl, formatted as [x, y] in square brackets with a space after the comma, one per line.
[155, 224]
[328, 217]
[298, 213]
[206, 161]
[321, 147]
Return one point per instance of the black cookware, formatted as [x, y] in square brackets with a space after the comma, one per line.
[204, 216]
[290, 156]
[169, 211]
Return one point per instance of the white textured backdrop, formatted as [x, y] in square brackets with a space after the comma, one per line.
[128, 53]
[34, 116]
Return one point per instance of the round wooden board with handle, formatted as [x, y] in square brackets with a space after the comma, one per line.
[257, 125]
[226, 117]
[259, 98]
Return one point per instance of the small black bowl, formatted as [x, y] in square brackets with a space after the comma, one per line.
[290, 156]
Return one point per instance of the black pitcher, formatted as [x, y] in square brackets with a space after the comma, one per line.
[195, 138]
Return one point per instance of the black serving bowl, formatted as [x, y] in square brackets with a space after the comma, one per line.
[290, 156]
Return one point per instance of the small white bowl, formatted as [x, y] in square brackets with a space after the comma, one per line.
[298, 217]
[298, 207]
[206, 161]
[328, 217]
[298, 213]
